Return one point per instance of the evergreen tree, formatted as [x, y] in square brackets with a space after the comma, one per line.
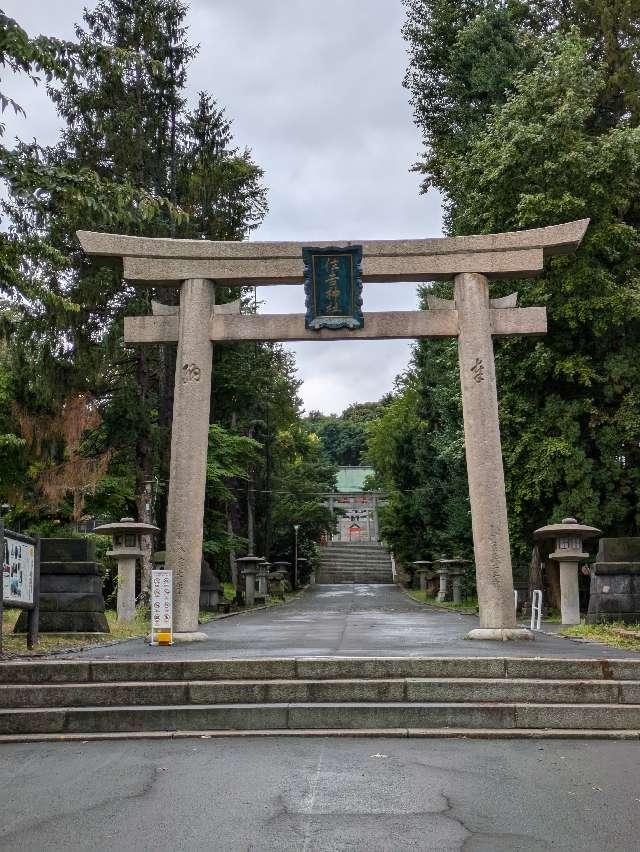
[344, 436]
[543, 133]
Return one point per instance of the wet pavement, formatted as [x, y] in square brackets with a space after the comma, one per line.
[351, 620]
[325, 793]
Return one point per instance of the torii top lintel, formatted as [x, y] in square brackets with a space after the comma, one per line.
[153, 261]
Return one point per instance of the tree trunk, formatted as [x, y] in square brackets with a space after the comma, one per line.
[552, 572]
[233, 565]
[251, 509]
[535, 574]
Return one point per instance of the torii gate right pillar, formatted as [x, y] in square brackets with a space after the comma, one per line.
[485, 471]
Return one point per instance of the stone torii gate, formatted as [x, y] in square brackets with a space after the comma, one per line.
[196, 266]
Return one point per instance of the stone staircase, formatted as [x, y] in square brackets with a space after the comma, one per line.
[481, 697]
[341, 562]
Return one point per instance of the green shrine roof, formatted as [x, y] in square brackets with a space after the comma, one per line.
[351, 479]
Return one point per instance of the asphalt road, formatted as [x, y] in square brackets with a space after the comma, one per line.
[349, 620]
[320, 794]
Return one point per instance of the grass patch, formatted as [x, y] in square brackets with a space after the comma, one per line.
[606, 633]
[469, 605]
[16, 645]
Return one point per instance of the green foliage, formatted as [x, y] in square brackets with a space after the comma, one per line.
[304, 479]
[131, 159]
[529, 117]
[344, 436]
[22, 54]
[417, 450]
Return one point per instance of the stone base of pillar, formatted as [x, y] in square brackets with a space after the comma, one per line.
[501, 634]
[195, 636]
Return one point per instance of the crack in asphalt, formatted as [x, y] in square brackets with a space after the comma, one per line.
[152, 775]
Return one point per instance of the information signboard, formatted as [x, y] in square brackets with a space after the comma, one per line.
[18, 572]
[20, 569]
[161, 607]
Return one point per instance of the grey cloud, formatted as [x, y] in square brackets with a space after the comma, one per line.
[314, 88]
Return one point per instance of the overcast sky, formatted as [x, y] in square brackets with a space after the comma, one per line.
[314, 88]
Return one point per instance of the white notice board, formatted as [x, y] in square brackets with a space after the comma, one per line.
[161, 601]
[18, 571]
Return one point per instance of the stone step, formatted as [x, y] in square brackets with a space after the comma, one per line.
[409, 690]
[49, 672]
[358, 576]
[337, 580]
[370, 581]
[355, 554]
[355, 566]
[363, 569]
[356, 557]
[328, 577]
[350, 560]
[318, 716]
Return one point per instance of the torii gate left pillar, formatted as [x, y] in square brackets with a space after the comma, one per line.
[472, 316]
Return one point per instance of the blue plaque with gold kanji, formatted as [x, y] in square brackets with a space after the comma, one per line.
[333, 287]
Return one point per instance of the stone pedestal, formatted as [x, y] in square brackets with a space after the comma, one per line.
[494, 577]
[569, 593]
[126, 596]
[210, 589]
[70, 598]
[189, 443]
[443, 593]
[615, 582]
[456, 576]
[262, 579]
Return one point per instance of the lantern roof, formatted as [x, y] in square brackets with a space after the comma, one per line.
[126, 525]
[569, 526]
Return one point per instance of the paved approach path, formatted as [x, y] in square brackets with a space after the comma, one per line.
[320, 794]
[349, 620]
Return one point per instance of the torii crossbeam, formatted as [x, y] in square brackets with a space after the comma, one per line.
[472, 316]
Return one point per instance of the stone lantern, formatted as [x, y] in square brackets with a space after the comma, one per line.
[568, 536]
[280, 574]
[450, 569]
[126, 547]
[424, 572]
[249, 566]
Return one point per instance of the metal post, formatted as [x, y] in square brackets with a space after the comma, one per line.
[33, 617]
[536, 609]
[296, 527]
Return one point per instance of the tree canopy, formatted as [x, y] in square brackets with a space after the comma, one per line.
[85, 420]
[528, 112]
